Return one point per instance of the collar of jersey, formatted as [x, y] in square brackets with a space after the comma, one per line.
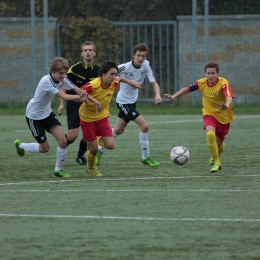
[86, 67]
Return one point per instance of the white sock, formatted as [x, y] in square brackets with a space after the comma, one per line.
[143, 137]
[30, 147]
[60, 158]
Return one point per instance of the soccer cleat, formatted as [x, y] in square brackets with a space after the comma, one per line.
[215, 167]
[81, 160]
[61, 174]
[211, 161]
[150, 162]
[98, 157]
[18, 149]
[93, 172]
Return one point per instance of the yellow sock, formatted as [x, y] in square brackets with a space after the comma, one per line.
[91, 160]
[212, 146]
[100, 141]
[221, 149]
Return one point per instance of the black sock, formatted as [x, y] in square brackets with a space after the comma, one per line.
[82, 148]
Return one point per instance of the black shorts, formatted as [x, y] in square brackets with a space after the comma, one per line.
[73, 120]
[127, 112]
[38, 127]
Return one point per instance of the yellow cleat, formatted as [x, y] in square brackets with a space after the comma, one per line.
[93, 172]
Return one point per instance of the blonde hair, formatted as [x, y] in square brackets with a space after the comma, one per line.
[59, 64]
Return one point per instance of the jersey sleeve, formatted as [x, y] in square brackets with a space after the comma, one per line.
[121, 69]
[116, 83]
[87, 87]
[227, 90]
[68, 84]
[150, 74]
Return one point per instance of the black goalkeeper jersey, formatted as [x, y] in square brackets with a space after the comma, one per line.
[80, 74]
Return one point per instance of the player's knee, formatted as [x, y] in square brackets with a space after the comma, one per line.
[110, 146]
[144, 128]
[63, 143]
[44, 148]
[70, 139]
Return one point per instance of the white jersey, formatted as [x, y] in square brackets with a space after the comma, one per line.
[39, 107]
[127, 94]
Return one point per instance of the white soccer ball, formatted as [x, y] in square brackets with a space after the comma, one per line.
[179, 155]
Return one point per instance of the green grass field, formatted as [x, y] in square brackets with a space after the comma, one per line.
[133, 212]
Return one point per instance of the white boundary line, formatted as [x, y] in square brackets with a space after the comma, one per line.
[137, 190]
[125, 179]
[130, 218]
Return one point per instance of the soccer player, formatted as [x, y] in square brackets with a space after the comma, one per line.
[79, 74]
[40, 117]
[137, 70]
[95, 124]
[217, 109]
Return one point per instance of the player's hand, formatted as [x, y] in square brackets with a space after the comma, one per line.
[84, 98]
[98, 107]
[60, 108]
[82, 92]
[222, 106]
[157, 100]
[136, 85]
[168, 96]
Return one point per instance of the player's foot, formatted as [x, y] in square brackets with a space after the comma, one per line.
[93, 172]
[81, 160]
[215, 167]
[61, 174]
[98, 157]
[211, 161]
[150, 162]
[18, 149]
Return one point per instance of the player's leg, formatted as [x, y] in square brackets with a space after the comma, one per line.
[89, 134]
[116, 130]
[143, 139]
[38, 131]
[73, 122]
[210, 125]
[61, 151]
[121, 123]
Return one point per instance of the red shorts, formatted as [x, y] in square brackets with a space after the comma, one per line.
[91, 130]
[221, 129]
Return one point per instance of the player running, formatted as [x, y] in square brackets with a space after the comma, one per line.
[136, 70]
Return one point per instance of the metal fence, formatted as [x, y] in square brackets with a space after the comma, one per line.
[161, 37]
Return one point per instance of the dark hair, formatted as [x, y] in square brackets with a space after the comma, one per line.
[106, 66]
[141, 47]
[59, 64]
[88, 43]
[213, 65]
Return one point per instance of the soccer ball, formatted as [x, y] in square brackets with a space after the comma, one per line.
[179, 155]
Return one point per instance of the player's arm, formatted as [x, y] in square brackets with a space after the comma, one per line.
[88, 88]
[227, 92]
[61, 106]
[179, 93]
[96, 102]
[76, 98]
[224, 106]
[133, 84]
[157, 99]
[183, 91]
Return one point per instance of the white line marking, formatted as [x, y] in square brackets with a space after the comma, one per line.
[131, 218]
[114, 190]
[125, 179]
